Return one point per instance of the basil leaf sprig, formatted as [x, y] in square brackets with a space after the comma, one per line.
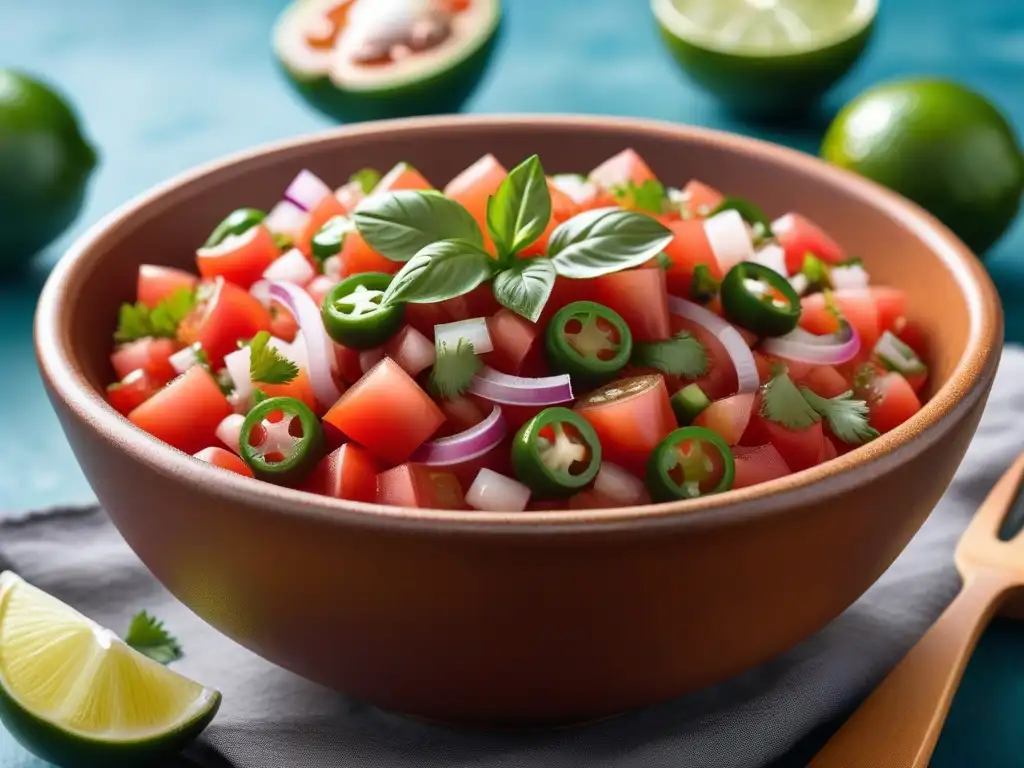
[443, 249]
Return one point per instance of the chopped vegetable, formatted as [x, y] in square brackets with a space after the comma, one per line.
[137, 321]
[760, 299]
[784, 403]
[354, 314]
[688, 403]
[281, 440]
[682, 356]
[556, 453]
[148, 635]
[846, 417]
[589, 342]
[266, 364]
[454, 368]
[689, 463]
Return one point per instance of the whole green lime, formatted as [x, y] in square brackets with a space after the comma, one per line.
[940, 144]
[45, 164]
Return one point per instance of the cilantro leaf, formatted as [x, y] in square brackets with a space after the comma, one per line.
[454, 369]
[148, 635]
[846, 417]
[816, 272]
[664, 261]
[266, 364]
[137, 321]
[784, 404]
[366, 178]
[704, 286]
[649, 196]
[681, 355]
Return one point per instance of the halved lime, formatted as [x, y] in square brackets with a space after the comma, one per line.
[766, 57]
[75, 694]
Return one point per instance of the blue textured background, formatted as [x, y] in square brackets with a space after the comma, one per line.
[164, 84]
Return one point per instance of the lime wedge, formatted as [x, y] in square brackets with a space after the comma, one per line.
[766, 57]
[75, 694]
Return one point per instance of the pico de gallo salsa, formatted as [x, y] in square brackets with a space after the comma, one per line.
[516, 340]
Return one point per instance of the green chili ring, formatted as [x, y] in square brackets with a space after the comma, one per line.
[366, 324]
[665, 457]
[587, 370]
[533, 455]
[330, 238]
[237, 222]
[760, 314]
[300, 459]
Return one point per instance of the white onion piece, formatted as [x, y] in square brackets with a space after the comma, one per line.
[237, 363]
[286, 218]
[332, 268]
[470, 444]
[519, 390]
[740, 354]
[805, 347]
[185, 358]
[306, 190]
[729, 237]
[319, 350]
[292, 266]
[260, 290]
[620, 485]
[800, 283]
[370, 357]
[577, 188]
[413, 351]
[493, 492]
[773, 257]
[229, 431]
[852, 277]
[474, 331]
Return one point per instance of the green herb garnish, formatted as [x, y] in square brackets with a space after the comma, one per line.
[525, 287]
[137, 321]
[454, 369]
[783, 403]
[649, 196]
[816, 272]
[519, 211]
[148, 635]
[366, 178]
[846, 417]
[681, 355]
[440, 271]
[704, 286]
[266, 364]
[400, 224]
[605, 240]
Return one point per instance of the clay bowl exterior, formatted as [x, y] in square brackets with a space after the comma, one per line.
[533, 617]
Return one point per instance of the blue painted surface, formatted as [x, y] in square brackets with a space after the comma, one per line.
[165, 84]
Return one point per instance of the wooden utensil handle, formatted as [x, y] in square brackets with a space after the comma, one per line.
[899, 724]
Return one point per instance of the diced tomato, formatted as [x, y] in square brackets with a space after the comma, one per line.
[185, 414]
[157, 283]
[387, 412]
[322, 212]
[700, 198]
[479, 302]
[300, 388]
[824, 380]
[764, 366]
[799, 236]
[132, 391]
[630, 416]
[224, 459]
[473, 186]
[423, 317]
[720, 379]
[357, 257]
[689, 247]
[640, 296]
[513, 336]
[223, 314]
[890, 304]
[420, 487]
[283, 324]
[411, 350]
[856, 306]
[914, 336]
[151, 355]
[402, 176]
[800, 449]
[891, 401]
[348, 472]
[728, 417]
[348, 363]
[624, 167]
[758, 465]
[240, 259]
[461, 413]
[591, 499]
[828, 449]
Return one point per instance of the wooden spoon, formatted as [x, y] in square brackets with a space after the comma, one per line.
[899, 723]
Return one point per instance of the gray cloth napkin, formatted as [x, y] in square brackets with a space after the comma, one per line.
[273, 718]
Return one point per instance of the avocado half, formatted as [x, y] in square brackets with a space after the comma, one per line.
[435, 81]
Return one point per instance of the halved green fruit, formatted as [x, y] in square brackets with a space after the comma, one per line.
[766, 58]
[436, 80]
[75, 694]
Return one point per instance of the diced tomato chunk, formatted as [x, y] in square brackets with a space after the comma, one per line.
[184, 414]
[473, 186]
[322, 212]
[240, 259]
[890, 304]
[357, 257]
[891, 402]
[591, 499]
[387, 412]
[402, 176]
[223, 314]
[224, 459]
[824, 380]
[828, 449]
[800, 449]
[132, 391]
[856, 306]
[513, 336]
[728, 417]
[461, 413]
[640, 296]
[299, 388]
[149, 354]
[421, 487]
[630, 416]
[799, 236]
[689, 247]
[479, 302]
[624, 167]
[758, 465]
[157, 283]
[348, 363]
[914, 336]
[700, 198]
[348, 472]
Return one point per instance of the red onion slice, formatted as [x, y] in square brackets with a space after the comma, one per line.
[319, 350]
[804, 347]
[740, 354]
[465, 446]
[306, 190]
[519, 390]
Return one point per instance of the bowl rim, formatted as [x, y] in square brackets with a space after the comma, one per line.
[965, 387]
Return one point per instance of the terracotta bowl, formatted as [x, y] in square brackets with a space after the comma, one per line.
[536, 617]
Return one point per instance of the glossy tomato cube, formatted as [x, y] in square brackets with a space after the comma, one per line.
[349, 472]
[149, 354]
[185, 413]
[224, 459]
[420, 486]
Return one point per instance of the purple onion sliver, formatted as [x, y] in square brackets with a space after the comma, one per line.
[518, 390]
[465, 446]
[804, 347]
[306, 190]
[319, 349]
